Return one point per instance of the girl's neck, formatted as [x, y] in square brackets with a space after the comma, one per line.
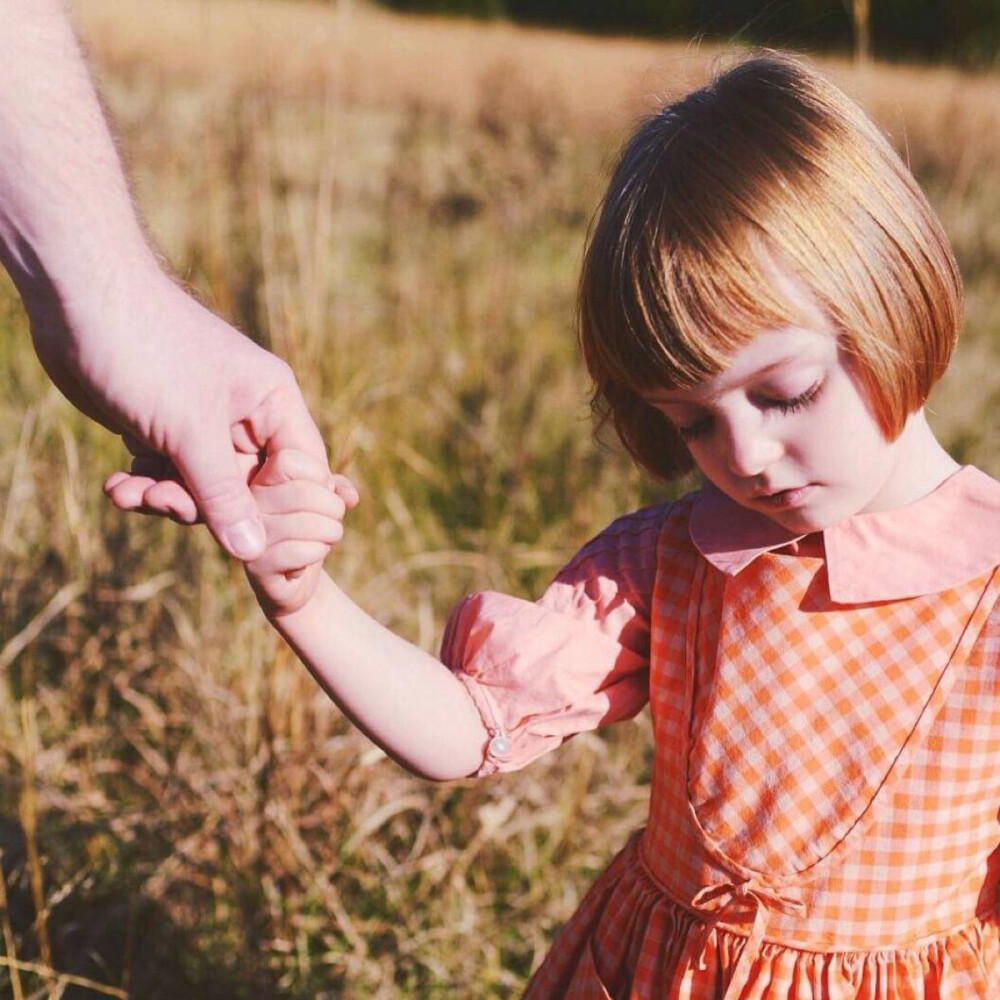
[922, 465]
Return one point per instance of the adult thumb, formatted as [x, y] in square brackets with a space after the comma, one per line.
[214, 479]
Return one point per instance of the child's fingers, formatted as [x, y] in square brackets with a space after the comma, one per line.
[345, 489]
[300, 495]
[289, 464]
[303, 526]
[288, 557]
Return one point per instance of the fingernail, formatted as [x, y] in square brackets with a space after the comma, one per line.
[245, 539]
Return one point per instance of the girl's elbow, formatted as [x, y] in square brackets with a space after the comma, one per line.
[458, 766]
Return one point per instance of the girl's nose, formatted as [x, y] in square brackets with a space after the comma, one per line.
[750, 448]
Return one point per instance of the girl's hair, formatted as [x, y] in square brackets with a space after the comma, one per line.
[768, 169]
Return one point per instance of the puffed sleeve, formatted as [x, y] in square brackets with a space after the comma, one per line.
[577, 658]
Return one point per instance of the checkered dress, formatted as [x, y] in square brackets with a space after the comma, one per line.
[826, 784]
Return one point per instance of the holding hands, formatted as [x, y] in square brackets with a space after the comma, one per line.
[217, 426]
[196, 402]
[302, 507]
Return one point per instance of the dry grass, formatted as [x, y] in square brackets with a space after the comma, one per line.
[373, 58]
[398, 207]
[365, 56]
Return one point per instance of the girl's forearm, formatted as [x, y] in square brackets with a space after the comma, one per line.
[405, 700]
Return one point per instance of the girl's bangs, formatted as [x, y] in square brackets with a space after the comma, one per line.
[690, 309]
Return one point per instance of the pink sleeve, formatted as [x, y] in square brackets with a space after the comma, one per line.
[575, 659]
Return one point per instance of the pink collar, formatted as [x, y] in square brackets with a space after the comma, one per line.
[945, 539]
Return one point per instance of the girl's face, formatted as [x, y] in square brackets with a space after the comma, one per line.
[786, 431]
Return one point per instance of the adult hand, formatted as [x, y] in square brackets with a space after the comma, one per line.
[198, 403]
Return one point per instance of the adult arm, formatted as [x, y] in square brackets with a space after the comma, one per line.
[123, 343]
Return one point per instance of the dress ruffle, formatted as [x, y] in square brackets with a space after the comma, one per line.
[629, 941]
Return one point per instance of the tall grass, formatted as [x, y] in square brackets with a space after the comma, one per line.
[398, 208]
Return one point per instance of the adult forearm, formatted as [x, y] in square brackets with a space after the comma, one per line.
[402, 698]
[67, 225]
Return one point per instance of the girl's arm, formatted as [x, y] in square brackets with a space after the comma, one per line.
[405, 700]
[402, 698]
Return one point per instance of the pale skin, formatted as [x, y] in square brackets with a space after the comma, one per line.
[405, 700]
[195, 400]
[786, 430]
[787, 414]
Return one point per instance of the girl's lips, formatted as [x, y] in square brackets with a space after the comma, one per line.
[783, 499]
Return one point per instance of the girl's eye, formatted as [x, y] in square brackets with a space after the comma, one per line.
[703, 426]
[796, 402]
[700, 428]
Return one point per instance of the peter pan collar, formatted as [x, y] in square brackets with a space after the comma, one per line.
[940, 541]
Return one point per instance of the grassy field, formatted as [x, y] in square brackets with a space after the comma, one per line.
[397, 207]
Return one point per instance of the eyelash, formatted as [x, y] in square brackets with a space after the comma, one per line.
[694, 431]
[798, 402]
[784, 406]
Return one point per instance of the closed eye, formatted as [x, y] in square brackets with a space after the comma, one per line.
[799, 402]
[702, 427]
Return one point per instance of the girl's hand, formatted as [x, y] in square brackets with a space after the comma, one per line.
[302, 507]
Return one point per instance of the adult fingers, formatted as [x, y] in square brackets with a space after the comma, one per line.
[144, 495]
[218, 487]
[126, 490]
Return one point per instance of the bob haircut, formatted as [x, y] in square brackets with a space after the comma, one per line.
[768, 167]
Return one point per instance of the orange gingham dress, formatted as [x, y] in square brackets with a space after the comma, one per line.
[826, 784]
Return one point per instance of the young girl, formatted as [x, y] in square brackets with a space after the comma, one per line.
[766, 295]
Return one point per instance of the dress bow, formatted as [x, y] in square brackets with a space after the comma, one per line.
[714, 899]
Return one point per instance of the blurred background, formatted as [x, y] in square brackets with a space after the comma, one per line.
[395, 201]
[966, 33]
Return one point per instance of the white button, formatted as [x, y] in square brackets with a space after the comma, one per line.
[499, 746]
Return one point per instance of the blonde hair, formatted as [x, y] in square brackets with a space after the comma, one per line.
[768, 166]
